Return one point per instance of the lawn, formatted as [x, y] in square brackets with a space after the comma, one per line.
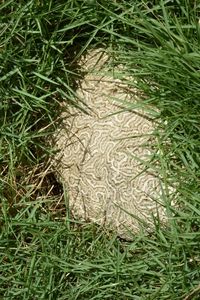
[44, 252]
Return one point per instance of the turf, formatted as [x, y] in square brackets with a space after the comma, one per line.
[45, 253]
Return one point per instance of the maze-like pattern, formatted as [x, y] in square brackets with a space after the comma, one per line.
[100, 160]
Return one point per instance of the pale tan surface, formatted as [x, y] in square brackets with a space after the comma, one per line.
[97, 161]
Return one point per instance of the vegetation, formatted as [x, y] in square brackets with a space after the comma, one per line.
[44, 253]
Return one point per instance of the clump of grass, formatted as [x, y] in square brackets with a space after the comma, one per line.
[45, 254]
[163, 54]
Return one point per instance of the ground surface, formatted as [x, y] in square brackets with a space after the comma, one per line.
[44, 252]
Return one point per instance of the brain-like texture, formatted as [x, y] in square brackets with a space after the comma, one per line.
[102, 151]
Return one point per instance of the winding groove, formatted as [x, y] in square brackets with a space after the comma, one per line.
[100, 162]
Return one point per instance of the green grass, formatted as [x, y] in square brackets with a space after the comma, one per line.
[44, 253]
